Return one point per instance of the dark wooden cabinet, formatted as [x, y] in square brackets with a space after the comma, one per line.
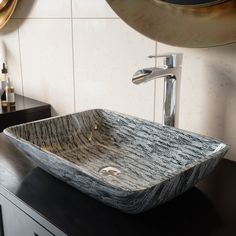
[18, 219]
[16, 222]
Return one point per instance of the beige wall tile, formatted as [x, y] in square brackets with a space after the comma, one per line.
[107, 54]
[47, 62]
[43, 9]
[9, 52]
[94, 8]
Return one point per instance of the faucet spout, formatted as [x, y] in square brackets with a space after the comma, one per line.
[169, 72]
[148, 74]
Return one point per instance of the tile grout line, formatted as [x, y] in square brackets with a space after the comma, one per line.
[154, 104]
[73, 55]
[20, 54]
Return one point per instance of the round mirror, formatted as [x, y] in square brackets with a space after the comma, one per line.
[7, 8]
[194, 2]
[195, 23]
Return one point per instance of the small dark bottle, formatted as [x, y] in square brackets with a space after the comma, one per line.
[3, 97]
[4, 72]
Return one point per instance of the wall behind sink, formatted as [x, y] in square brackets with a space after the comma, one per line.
[78, 54]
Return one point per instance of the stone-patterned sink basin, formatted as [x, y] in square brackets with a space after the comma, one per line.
[124, 162]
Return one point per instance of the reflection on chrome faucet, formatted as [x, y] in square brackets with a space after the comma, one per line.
[170, 71]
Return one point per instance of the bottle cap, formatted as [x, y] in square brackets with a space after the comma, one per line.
[4, 69]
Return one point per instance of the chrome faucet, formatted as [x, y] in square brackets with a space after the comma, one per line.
[170, 71]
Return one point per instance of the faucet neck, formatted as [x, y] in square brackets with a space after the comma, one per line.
[169, 71]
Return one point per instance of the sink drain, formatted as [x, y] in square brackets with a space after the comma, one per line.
[109, 171]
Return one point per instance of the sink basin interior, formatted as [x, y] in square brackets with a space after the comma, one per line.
[122, 151]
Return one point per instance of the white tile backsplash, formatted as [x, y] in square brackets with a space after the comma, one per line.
[47, 62]
[43, 9]
[92, 9]
[78, 54]
[9, 40]
[108, 54]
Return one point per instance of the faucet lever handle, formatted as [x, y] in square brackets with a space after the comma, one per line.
[169, 59]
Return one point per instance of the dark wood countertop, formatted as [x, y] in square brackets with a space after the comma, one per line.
[25, 110]
[23, 103]
[208, 209]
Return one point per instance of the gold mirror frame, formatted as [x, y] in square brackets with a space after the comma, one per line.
[3, 3]
[205, 4]
[7, 8]
[184, 26]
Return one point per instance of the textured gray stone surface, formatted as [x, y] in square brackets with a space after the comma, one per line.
[155, 163]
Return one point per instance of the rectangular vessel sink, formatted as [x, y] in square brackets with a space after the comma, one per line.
[125, 162]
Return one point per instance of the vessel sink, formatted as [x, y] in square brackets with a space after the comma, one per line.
[125, 162]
